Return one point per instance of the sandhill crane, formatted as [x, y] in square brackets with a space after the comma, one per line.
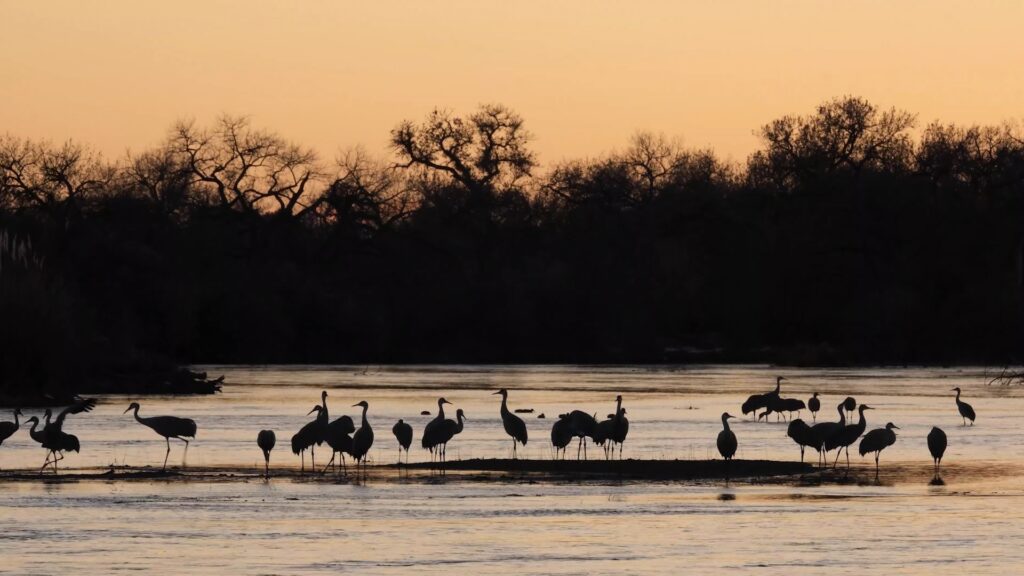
[621, 429]
[363, 438]
[813, 404]
[822, 431]
[757, 401]
[309, 435]
[54, 430]
[582, 426]
[877, 440]
[430, 432]
[7, 429]
[403, 433]
[847, 436]
[800, 432]
[339, 438]
[561, 434]
[727, 438]
[514, 425]
[937, 447]
[55, 442]
[168, 427]
[966, 411]
[849, 405]
[266, 440]
[448, 430]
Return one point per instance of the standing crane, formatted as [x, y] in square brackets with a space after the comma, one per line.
[403, 433]
[621, 429]
[266, 440]
[822, 431]
[514, 425]
[966, 410]
[7, 429]
[877, 440]
[582, 426]
[561, 434]
[937, 447]
[339, 438]
[727, 438]
[430, 432]
[308, 436]
[363, 438]
[813, 404]
[847, 436]
[800, 432]
[56, 443]
[448, 431]
[168, 427]
[849, 405]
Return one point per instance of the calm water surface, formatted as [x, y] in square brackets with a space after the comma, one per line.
[971, 525]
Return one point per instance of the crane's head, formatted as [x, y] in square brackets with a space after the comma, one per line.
[864, 407]
[316, 408]
[726, 416]
[957, 389]
[622, 410]
[460, 414]
[779, 379]
[17, 412]
[132, 406]
[400, 421]
[47, 413]
[618, 398]
[33, 420]
[363, 404]
[815, 395]
[891, 426]
[503, 392]
[441, 401]
[323, 395]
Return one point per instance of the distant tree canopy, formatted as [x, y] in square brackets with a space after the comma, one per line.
[846, 238]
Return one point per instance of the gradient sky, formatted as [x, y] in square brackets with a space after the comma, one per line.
[585, 75]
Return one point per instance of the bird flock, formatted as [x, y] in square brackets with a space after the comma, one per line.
[345, 440]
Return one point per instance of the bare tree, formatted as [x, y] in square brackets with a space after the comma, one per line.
[249, 170]
[845, 134]
[47, 177]
[367, 193]
[485, 151]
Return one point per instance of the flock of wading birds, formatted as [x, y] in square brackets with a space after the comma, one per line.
[342, 437]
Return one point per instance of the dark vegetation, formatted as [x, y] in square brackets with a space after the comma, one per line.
[848, 237]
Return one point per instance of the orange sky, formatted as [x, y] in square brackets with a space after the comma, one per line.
[585, 75]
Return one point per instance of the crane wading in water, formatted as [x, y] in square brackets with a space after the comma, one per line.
[937, 447]
[403, 433]
[877, 440]
[168, 427]
[363, 438]
[266, 440]
[965, 409]
[514, 425]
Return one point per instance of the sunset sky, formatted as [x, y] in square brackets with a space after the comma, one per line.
[585, 75]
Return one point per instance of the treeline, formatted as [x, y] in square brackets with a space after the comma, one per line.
[848, 237]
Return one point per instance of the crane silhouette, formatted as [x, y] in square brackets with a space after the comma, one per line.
[800, 432]
[822, 431]
[877, 440]
[755, 402]
[339, 438]
[813, 404]
[7, 429]
[448, 431]
[432, 429]
[937, 447]
[309, 435]
[403, 433]
[849, 405]
[847, 436]
[514, 425]
[561, 434]
[266, 440]
[363, 438]
[582, 426]
[54, 430]
[965, 409]
[168, 427]
[55, 442]
[727, 438]
[621, 429]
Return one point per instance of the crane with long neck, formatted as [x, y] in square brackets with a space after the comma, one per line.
[168, 427]
[514, 425]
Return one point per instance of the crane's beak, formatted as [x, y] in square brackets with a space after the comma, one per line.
[311, 411]
[496, 393]
[445, 402]
[895, 426]
[127, 410]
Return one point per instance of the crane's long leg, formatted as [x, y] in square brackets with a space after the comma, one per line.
[312, 455]
[847, 458]
[168, 453]
[579, 447]
[184, 459]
